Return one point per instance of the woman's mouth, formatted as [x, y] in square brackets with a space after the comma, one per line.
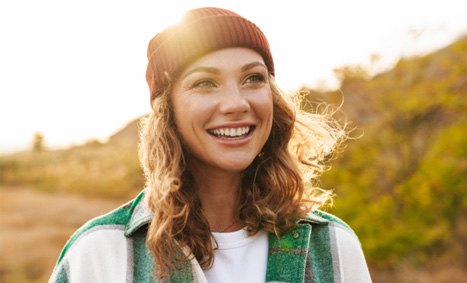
[231, 133]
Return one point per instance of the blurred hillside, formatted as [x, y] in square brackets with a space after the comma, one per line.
[94, 169]
[402, 186]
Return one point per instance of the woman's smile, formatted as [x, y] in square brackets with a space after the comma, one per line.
[228, 133]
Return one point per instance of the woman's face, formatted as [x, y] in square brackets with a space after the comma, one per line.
[223, 109]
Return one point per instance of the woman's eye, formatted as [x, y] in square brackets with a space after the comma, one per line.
[204, 84]
[255, 78]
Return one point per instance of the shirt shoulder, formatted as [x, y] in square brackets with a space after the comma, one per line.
[346, 251]
[91, 231]
[114, 219]
[327, 217]
[101, 241]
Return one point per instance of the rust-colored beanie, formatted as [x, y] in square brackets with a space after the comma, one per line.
[201, 31]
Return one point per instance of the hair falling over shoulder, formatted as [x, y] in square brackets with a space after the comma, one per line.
[277, 188]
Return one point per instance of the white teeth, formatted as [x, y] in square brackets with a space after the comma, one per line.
[231, 132]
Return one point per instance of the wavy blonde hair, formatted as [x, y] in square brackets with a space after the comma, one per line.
[278, 188]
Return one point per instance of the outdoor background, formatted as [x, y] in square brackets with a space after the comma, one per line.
[401, 184]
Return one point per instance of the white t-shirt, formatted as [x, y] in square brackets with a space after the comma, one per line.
[239, 258]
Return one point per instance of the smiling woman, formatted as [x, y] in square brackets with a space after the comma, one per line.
[228, 194]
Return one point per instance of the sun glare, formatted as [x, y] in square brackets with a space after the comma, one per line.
[76, 72]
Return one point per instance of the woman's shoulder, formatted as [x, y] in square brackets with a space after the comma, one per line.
[121, 220]
[101, 242]
[320, 217]
[338, 231]
[343, 244]
[115, 219]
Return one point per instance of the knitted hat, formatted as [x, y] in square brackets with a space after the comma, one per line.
[201, 31]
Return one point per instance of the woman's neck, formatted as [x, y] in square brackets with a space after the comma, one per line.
[218, 193]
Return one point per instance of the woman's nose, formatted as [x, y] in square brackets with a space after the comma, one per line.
[233, 101]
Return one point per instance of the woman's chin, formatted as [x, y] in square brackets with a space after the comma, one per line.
[236, 166]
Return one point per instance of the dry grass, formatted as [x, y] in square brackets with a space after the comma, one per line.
[34, 226]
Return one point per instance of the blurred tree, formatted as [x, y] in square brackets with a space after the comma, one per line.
[403, 186]
[38, 142]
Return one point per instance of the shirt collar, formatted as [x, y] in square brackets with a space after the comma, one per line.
[313, 218]
[140, 215]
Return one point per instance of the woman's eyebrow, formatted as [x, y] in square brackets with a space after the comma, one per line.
[202, 69]
[252, 65]
[216, 71]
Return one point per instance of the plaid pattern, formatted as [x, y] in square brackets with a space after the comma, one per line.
[306, 254]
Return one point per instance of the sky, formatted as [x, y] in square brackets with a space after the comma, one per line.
[75, 70]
